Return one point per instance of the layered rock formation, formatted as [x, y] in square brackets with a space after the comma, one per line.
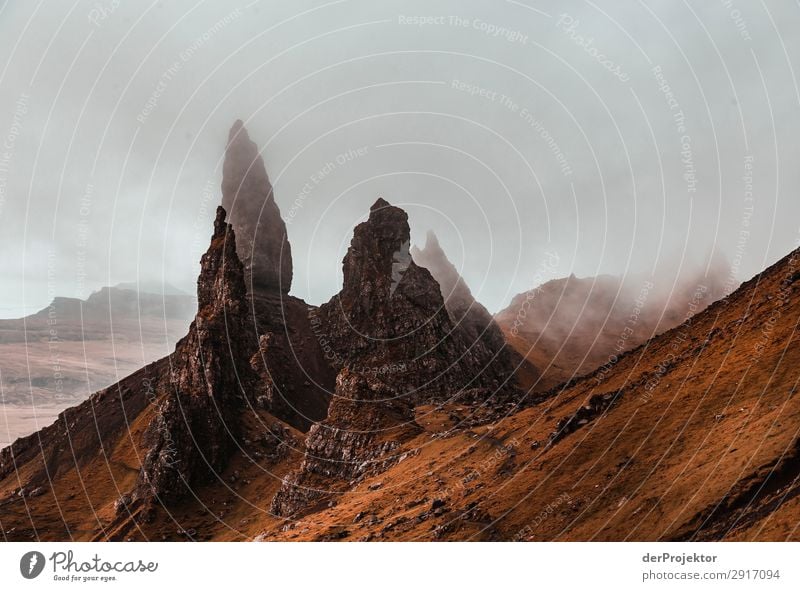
[295, 380]
[690, 436]
[390, 319]
[397, 347]
[261, 233]
[197, 421]
[182, 411]
[368, 420]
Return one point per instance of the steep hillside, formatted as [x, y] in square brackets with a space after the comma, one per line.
[693, 436]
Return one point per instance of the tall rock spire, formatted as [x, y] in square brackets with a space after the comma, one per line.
[390, 335]
[392, 311]
[295, 380]
[260, 231]
[193, 431]
[389, 310]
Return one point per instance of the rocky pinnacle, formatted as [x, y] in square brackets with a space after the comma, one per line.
[260, 231]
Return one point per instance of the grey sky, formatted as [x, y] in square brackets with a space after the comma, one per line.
[114, 117]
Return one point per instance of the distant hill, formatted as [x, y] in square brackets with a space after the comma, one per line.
[71, 348]
[152, 287]
[569, 327]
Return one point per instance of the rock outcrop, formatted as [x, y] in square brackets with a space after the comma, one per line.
[390, 319]
[260, 231]
[295, 381]
[421, 439]
[367, 421]
[197, 420]
[396, 346]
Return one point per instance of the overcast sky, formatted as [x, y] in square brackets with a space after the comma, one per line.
[618, 135]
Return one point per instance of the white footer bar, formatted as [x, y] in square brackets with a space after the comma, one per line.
[374, 566]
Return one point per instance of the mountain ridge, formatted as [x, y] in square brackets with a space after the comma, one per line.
[380, 416]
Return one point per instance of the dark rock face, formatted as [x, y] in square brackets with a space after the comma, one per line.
[249, 342]
[367, 421]
[468, 315]
[197, 419]
[396, 345]
[260, 230]
[295, 381]
[390, 320]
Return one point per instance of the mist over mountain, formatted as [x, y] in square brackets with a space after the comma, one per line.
[569, 327]
[401, 410]
[467, 131]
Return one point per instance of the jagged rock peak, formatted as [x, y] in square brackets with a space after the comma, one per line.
[243, 164]
[390, 317]
[380, 203]
[192, 433]
[383, 212]
[432, 241]
[367, 421]
[221, 279]
[248, 197]
[454, 290]
[378, 257]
